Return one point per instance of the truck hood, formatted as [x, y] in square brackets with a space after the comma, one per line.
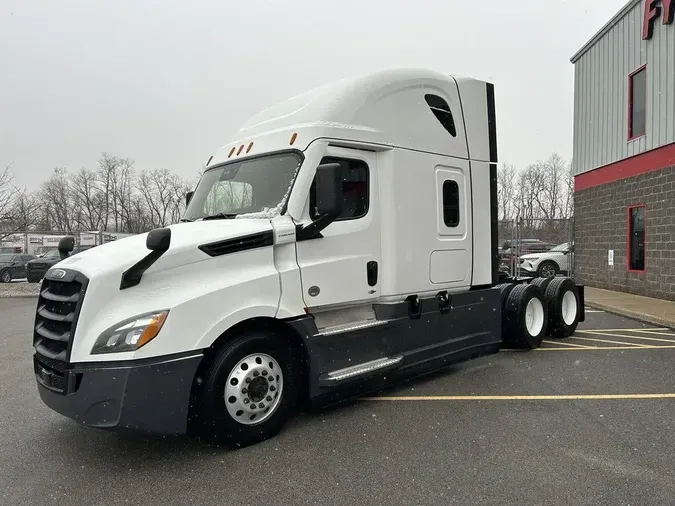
[116, 257]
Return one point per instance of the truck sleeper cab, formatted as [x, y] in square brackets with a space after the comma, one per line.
[346, 239]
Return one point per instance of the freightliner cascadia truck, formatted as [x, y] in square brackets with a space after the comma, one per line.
[346, 239]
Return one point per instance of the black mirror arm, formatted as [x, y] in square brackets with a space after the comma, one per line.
[314, 229]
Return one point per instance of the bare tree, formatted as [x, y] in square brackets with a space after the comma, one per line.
[89, 198]
[163, 193]
[507, 184]
[56, 194]
[18, 209]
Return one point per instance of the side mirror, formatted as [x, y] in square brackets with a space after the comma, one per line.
[66, 245]
[159, 239]
[328, 200]
[329, 189]
[188, 197]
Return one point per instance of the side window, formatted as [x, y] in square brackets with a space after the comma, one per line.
[450, 203]
[636, 238]
[637, 104]
[355, 189]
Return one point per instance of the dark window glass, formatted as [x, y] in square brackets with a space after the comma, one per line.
[636, 238]
[451, 203]
[638, 103]
[441, 110]
[355, 190]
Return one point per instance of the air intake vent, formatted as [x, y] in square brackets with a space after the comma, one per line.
[252, 241]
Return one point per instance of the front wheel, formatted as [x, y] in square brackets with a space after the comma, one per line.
[6, 276]
[547, 269]
[250, 389]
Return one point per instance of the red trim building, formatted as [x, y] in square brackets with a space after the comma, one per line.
[624, 152]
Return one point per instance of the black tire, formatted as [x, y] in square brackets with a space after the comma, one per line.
[548, 266]
[541, 283]
[5, 276]
[504, 290]
[214, 420]
[515, 317]
[555, 294]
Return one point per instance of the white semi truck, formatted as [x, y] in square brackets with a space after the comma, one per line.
[346, 239]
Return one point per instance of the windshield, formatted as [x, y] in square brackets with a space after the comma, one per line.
[255, 188]
[6, 258]
[561, 247]
[52, 254]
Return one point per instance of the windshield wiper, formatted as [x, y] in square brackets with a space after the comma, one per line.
[220, 216]
[185, 220]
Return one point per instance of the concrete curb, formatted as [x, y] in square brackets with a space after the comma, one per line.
[634, 315]
[22, 296]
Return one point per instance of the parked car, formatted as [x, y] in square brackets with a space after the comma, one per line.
[37, 268]
[13, 266]
[547, 264]
[525, 246]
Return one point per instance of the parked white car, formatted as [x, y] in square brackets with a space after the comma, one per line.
[547, 264]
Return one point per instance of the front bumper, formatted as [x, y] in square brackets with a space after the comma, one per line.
[150, 396]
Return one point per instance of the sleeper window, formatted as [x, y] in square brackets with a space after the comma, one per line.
[450, 203]
[355, 189]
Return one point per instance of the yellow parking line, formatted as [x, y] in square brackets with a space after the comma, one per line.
[606, 348]
[625, 330]
[627, 337]
[590, 348]
[566, 344]
[575, 397]
[611, 342]
[659, 333]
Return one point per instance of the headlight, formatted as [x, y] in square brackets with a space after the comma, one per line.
[130, 334]
[531, 260]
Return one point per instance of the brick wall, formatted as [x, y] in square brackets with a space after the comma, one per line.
[601, 221]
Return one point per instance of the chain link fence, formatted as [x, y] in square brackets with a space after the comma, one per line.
[537, 247]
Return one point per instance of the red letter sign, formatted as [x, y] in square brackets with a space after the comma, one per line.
[652, 11]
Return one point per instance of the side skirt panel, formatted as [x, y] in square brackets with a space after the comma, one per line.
[441, 331]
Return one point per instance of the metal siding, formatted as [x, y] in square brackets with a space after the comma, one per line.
[601, 92]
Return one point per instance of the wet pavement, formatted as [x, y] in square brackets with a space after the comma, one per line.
[585, 420]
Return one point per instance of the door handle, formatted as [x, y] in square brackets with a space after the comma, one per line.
[371, 269]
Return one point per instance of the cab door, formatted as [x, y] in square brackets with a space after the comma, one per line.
[342, 266]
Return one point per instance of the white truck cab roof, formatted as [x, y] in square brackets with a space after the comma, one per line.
[370, 109]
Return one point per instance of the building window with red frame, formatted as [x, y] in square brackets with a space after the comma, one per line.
[637, 104]
[636, 238]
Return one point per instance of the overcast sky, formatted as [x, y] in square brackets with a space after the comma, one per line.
[167, 83]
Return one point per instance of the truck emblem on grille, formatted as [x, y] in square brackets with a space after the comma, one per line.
[58, 274]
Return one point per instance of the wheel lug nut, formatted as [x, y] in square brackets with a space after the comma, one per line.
[261, 405]
[269, 398]
[271, 378]
[272, 389]
[246, 401]
[252, 407]
[264, 373]
[244, 390]
[248, 380]
[256, 373]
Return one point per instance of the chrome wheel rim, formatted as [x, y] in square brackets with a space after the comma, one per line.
[253, 389]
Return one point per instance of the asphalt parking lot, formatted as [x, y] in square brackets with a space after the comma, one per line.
[587, 420]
